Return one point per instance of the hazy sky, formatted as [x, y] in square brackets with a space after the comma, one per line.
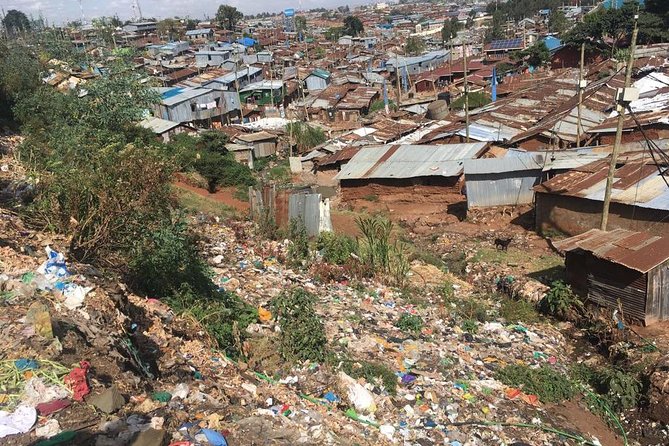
[60, 11]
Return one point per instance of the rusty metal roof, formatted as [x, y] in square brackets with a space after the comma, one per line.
[637, 182]
[639, 251]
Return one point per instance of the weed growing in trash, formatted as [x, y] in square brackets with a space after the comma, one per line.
[410, 323]
[518, 310]
[373, 372]
[298, 251]
[167, 264]
[376, 249]
[469, 326]
[336, 248]
[547, 383]
[266, 226]
[560, 301]
[302, 334]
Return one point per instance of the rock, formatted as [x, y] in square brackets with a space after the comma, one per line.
[151, 437]
[658, 392]
[38, 315]
[108, 401]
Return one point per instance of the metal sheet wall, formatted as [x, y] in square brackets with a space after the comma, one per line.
[658, 293]
[306, 207]
[496, 189]
[609, 283]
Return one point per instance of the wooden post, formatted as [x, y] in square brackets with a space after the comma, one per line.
[466, 95]
[619, 129]
[580, 96]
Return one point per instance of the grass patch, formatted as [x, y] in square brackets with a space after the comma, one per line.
[280, 173]
[194, 203]
[520, 310]
[545, 382]
[373, 372]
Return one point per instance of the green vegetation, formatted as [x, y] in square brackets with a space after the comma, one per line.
[414, 46]
[298, 251]
[379, 253]
[560, 301]
[476, 99]
[535, 56]
[469, 326]
[305, 136]
[228, 16]
[518, 310]
[380, 105]
[547, 383]
[616, 389]
[373, 372]
[411, 323]
[302, 334]
[168, 264]
[450, 29]
[194, 203]
[353, 26]
[336, 248]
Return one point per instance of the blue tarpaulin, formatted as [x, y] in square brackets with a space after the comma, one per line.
[246, 41]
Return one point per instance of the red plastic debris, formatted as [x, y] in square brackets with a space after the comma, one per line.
[78, 382]
[52, 406]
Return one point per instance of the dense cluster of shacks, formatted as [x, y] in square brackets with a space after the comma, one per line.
[391, 124]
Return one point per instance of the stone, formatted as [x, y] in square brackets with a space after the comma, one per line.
[151, 437]
[38, 315]
[108, 401]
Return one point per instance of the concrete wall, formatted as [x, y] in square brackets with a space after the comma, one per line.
[573, 215]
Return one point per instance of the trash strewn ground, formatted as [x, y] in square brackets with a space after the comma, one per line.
[113, 368]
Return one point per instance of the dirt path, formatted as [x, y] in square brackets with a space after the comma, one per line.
[224, 196]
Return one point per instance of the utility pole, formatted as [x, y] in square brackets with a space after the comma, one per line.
[239, 97]
[581, 87]
[466, 95]
[399, 81]
[622, 102]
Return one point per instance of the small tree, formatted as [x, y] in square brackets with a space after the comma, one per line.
[557, 22]
[300, 23]
[353, 26]
[16, 22]
[228, 16]
[414, 46]
[450, 29]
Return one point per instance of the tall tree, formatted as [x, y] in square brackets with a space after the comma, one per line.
[171, 28]
[228, 16]
[300, 23]
[450, 29]
[353, 26]
[557, 22]
[16, 22]
[414, 46]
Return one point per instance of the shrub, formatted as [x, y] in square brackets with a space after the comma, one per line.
[446, 291]
[305, 136]
[376, 249]
[545, 382]
[298, 251]
[410, 323]
[372, 372]
[622, 389]
[518, 310]
[469, 326]
[302, 333]
[336, 248]
[560, 301]
[266, 226]
[167, 264]
[222, 170]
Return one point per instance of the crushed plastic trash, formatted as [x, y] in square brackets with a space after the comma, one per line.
[26, 364]
[361, 398]
[49, 429]
[18, 422]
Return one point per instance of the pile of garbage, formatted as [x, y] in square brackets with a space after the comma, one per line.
[86, 361]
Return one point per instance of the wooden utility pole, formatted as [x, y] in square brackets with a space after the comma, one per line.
[239, 98]
[466, 95]
[580, 96]
[399, 82]
[619, 130]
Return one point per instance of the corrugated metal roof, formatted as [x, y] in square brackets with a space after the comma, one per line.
[185, 95]
[637, 183]
[507, 164]
[639, 251]
[158, 125]
[410, 161]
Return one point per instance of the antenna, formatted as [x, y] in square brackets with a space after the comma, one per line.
[83, 18]
[136, 10]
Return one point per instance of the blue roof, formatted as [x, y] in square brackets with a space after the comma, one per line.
[172, 92]
[246, 41]
[617, 4]
[552, 43]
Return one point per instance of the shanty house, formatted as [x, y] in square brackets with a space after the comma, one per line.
[200, 34]
[165, 129]
[317, 80]
[264, 144]
[623, 270]
[262, 93]
[393, 168]
[502, 181]
[572, 202]
[498, 49]
[216, 58]
[189, 104]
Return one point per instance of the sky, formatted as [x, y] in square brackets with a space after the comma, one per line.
[62, 11]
